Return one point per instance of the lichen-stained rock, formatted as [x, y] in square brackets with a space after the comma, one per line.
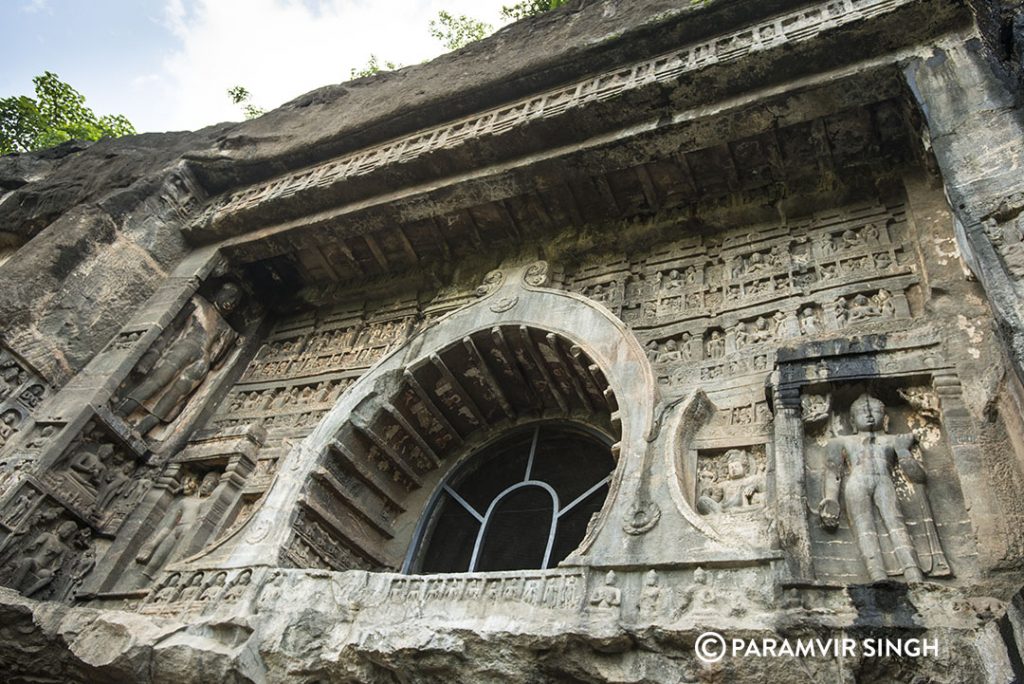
[535, 363]
[305, 636]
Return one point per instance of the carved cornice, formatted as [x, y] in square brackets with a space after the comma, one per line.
[785, 29]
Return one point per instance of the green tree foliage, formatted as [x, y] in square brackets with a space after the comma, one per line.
[457, 32]
[529, 8]
[373, 65]
[57, 114]
[240, 95]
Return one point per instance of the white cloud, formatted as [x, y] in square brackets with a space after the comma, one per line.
[33, 6]
[279, 49]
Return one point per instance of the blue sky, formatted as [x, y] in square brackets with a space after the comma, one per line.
[166, 64]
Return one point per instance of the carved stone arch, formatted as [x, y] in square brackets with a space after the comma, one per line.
[584, 362]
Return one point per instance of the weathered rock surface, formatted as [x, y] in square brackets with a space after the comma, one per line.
[536, 362]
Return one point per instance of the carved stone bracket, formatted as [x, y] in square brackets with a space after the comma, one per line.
[537, 274]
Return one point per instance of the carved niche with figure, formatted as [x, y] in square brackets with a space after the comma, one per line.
[177, 364]
[733, 482]
[99, 478]
[873, 478]
[51, 558]
[171, 539]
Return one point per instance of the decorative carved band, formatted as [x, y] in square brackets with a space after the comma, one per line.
[798, 26]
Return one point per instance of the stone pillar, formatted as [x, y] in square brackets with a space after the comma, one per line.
[790, 488]
[997, 530]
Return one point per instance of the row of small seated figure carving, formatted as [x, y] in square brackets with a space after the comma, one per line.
[647, 302]
[340, 339]
[313, 365]
[565, 592]
[325, 392]
[765, 329]
[776, 258]
[197, 588]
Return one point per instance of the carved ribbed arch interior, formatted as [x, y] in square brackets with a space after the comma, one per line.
[375, 477]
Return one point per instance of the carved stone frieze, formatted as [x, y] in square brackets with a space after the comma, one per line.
[798, 26]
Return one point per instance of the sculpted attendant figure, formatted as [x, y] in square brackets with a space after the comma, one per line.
[42, 559]
[869, 493]
[184, 513]
[742, 488]
[169, 377]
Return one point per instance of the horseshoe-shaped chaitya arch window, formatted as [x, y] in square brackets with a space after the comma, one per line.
[359, 492]
[443, 416]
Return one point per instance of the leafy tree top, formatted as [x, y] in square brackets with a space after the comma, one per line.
[456, 32]
[57, 114]
[529, 8]
[240, 95]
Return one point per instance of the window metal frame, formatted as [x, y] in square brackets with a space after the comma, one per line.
[425, 525]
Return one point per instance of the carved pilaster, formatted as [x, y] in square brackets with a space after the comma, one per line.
[790, 488]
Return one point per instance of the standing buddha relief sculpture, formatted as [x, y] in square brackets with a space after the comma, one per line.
[862, 465]
[171, 538]
[169, 373]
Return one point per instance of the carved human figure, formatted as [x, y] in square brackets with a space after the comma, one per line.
[21, 506]
[38, 439]
[743, 487]
[861, 307]
[716, 345]
[869, 494]
[652, 351]
[851, 239]
[608, 595]
[167, 378]
[168, 592]
[112, 483]
[740, 336]
[192, 589]
[12, 375]
[763, 330]
[185, 512]
[808, 321]
[757, 263]
[88, 464]
[214, 588]
[8, 425]
[241, 583]
[841, 310]
[42, 559]
[700, 589]
[650, 595]
[883, 300]
[685, 352]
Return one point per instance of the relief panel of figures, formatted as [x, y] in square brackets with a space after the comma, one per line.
[724, 303]
[21, 392]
